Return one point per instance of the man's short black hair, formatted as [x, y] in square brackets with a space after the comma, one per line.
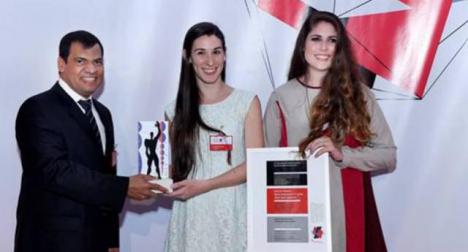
[85, 38]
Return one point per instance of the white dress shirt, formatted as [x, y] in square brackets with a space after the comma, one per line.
[76, 97]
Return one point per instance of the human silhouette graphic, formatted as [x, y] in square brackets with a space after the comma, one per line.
[151, 156]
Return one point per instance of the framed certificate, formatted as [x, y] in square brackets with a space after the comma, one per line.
[288, 201]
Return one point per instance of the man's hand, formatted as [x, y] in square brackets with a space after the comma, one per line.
[114, 158]
[140, 188]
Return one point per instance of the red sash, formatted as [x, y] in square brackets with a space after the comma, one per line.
[363, 230]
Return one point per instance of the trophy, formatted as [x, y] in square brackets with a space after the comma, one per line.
[154, 151]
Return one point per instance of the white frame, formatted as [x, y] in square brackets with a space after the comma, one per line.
[317, 175]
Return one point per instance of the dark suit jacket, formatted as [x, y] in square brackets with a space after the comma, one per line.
[70, 196]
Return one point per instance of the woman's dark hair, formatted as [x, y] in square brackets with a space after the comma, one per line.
[187, 120]
[340, 107]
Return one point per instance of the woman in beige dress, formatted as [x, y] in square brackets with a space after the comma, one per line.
[324, 107]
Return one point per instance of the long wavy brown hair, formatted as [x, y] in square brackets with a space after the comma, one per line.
[340, 107]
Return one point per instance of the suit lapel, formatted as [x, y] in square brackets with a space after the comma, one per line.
[107, 123]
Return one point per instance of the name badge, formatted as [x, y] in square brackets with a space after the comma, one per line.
[220, 143]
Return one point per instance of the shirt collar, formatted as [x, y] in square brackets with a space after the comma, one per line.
[74, 95]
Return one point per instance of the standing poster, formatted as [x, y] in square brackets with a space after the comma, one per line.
[288, 201]
[154, 151]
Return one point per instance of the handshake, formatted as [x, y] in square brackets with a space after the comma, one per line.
[140, 187]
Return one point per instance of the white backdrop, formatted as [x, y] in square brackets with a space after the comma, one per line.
[422, 204]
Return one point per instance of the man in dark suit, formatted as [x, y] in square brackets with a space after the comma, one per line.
[70, 195]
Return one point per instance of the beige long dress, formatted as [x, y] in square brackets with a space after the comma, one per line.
[294, 99]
